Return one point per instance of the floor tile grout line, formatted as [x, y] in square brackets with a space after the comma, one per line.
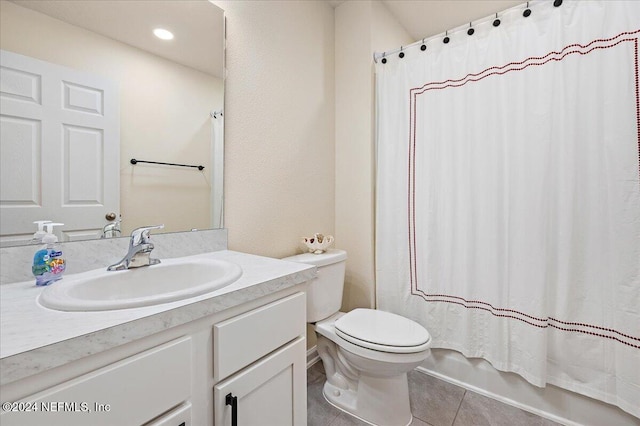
[415, 416]
[333, 420]
[459, 405]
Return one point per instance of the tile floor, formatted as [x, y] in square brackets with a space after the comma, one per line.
[433, 403]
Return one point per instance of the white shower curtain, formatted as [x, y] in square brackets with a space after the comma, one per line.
[217, 167]
[508, 195]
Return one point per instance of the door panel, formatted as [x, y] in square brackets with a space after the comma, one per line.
[60, 152]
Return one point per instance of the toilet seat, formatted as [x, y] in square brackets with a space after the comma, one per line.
[382, 331]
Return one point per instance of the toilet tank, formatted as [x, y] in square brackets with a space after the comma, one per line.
[324, 293]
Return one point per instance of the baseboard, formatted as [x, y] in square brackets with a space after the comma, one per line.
[312, 356]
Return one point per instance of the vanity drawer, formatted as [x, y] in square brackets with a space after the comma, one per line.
[241, 340]
[132, 391]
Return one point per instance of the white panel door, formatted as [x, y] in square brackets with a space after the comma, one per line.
[60, 148]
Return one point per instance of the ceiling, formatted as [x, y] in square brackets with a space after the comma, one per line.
[133, 21]
[426, 18]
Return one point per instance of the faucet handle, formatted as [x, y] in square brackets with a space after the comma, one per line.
[141, 235]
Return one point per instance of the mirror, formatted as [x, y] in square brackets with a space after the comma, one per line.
[165, 98]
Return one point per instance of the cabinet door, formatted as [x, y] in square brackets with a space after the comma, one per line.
[270, 392]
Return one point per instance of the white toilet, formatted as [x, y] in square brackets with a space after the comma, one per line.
[366, 353]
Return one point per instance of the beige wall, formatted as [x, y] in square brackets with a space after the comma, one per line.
[289, 171]
[279, 124]
[386, 31]
[164, 110]
[362, 27]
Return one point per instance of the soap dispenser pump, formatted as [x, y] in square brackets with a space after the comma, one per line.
[48, 262]
[40, 233]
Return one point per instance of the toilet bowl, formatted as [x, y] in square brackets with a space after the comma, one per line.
[366, 353]
[367, 378]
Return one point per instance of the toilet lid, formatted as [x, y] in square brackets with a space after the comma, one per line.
[382, 331]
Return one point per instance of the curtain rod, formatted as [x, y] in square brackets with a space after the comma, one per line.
[468, 27]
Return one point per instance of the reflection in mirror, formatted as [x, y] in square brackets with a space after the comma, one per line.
[86, 87]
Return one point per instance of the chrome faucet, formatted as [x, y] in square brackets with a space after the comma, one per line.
[140, 247]
[111, 230]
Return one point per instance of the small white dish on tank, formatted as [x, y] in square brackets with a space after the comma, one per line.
[318, 243]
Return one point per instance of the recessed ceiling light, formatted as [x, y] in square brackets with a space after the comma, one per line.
[163, 34]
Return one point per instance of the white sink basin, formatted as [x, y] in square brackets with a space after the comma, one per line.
[171, 280]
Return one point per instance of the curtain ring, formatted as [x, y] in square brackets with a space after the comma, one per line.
[424, 46]
[496, 22]
[527, 11]
[470, 31]
[401, 54]
[446, 38]
[384, 60]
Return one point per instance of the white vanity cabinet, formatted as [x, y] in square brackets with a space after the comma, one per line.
[255, 351]
[265, 348]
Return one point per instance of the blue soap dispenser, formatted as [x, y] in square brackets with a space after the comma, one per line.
[48, 263]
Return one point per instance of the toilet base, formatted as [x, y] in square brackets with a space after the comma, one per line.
[387, 401]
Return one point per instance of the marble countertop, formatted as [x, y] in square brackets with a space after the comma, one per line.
[34, 339]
